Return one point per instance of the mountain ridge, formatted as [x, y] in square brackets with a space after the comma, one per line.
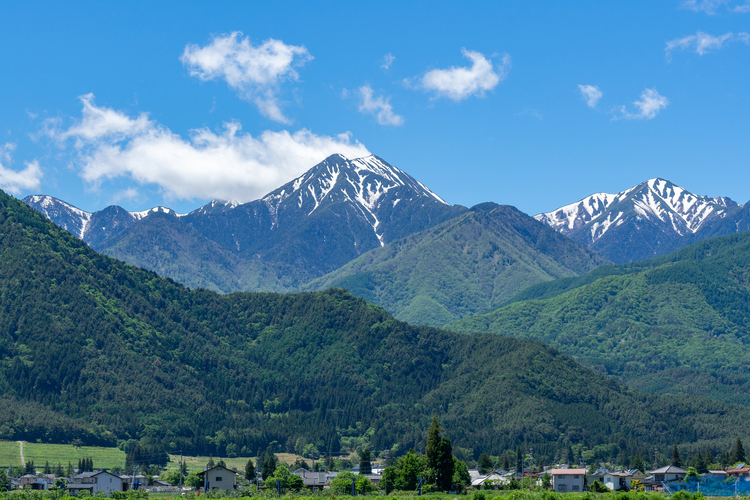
[652, 218]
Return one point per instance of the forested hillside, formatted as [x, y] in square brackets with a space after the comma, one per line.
[674, 324]
[95, 349]
[467, 265]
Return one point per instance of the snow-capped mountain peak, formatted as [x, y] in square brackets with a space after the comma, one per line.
[656, 200]
[365, 182]
[159, 209]
[65, 215]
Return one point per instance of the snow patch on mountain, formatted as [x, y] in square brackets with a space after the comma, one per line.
[65, 215]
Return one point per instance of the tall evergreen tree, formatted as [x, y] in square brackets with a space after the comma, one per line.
[47, 469]
[444, 464]
[69, 471]
[637, 463]
[250, 470]
[484, 464]
[675, 457]
[433, 442]
[210, 463]
[738, 454]
[519, 462]
[365, 466]
[506, 465]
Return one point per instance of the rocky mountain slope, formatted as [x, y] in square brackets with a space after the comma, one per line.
[650, 219]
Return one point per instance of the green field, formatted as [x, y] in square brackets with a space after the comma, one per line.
[9, 453]
[199, 462]
[104, 458]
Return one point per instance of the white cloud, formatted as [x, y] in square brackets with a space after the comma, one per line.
[459, 83]
[380, 107]
[591, 94]
[224, 165]
[711, 7]
[15, 181]
[255, 72]
[388, 60]
[648, 107]
[703, 43]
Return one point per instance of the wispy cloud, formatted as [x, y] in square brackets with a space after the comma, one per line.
[227, 165]
[650, 104]
[255, 72]
[459, 83]
[15, 181]
[387, 60]
[532, 112]
[703, 43]
[711, 7]
[378, 106]
[591, 94]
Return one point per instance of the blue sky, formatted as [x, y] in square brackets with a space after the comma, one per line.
[174, 103]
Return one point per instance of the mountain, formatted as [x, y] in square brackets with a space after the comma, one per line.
[464, 266]
[333, 213]
[676, 324]
[95, 349]
[650, 219]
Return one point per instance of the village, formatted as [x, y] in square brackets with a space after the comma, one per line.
[560, 479]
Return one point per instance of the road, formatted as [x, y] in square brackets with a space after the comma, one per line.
[23, 462]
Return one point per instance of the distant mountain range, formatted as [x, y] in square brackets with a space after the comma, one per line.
[368, 226]
[647, 220]
[336, 211]
[361, 224]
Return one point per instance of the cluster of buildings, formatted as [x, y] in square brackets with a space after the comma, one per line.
[573, 480]
[91, 482]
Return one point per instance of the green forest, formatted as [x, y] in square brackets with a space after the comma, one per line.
[95, 350]
[677, 324]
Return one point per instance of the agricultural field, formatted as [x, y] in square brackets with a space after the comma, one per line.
[199, 463]
[104, 458]
[9, 453]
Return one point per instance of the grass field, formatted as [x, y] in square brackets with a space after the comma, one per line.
[9, 453]
[105, 458]
[198, 463]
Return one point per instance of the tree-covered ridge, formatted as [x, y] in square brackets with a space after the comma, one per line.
[105, 352]
[468, 265]
[675, 324]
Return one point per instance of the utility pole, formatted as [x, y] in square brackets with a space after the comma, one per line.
[656, 458]
[180, 471]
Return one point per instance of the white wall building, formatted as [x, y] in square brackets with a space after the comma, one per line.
[218, 478]
[566, 480]
[94, 482]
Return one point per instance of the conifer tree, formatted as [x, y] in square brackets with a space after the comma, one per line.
[250, 470]
[738, 454]
[433, 443]
[675, 457]
[365, 466]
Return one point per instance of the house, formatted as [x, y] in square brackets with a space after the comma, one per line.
[739, 471]
[313, 480]
[34, 482]
[495, 478]
[218, 478]
[717, 473]
[596, 476]
[137, 482]
[94, 482]
[567, 479]
[617, 481]
[668, 473]
[637, 475]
